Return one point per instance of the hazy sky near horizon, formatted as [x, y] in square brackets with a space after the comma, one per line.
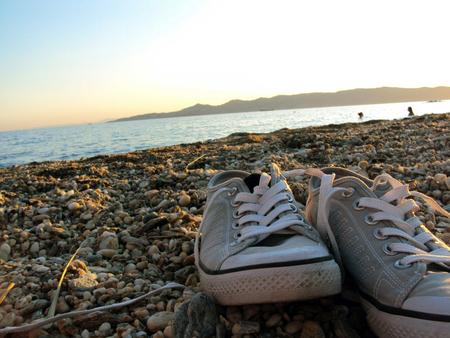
[64, 62]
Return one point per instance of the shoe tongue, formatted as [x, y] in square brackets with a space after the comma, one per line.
[275, 173]
[252, 181]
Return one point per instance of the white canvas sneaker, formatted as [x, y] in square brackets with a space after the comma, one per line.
[256, 246]
[400, 268]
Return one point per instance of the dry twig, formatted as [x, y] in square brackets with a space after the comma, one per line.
[29, 327]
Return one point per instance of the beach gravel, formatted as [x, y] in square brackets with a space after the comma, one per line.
[133, 219]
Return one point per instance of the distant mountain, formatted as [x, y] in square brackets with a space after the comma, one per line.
[105, 121]
[311, 100]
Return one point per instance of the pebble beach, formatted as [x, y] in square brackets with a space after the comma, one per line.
[125, 225]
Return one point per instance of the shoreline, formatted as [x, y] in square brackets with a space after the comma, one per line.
[135, 215]
[21, 148]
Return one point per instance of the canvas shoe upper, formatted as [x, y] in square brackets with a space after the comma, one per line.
[255, 246]
[400, 268]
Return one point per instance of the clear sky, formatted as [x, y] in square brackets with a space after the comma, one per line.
[64, 62]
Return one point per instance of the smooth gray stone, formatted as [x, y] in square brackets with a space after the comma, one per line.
[196, 314]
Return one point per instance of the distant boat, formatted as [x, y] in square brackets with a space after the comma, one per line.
[431, 101]
[266, 109]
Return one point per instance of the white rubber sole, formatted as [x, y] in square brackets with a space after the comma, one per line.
[386, 325]
[273, 285]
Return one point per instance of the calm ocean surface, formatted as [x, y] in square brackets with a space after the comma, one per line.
[74, 142]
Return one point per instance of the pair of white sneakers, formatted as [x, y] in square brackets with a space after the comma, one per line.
[254, 245]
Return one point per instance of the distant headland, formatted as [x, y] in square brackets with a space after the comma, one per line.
[311, 100]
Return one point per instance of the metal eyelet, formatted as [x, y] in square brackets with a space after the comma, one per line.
[349, 192]
[293, 207]
[290, 198]
[388, 251]
[231, 193]
[235, 204]
[378, 235]
[369, 220]
[399, 265]
[234, 243]
[235, 225]
[356, 205]
[308, 227]
[237, 234]
[236, 214]
[300, 217]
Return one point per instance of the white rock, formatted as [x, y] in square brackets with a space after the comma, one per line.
[85, 249]
[90, 225]
[182, 176]
[5, 248]
[86, 217]
[302, 153]
[43, 269]
[109, 242]
[108, 253]
[87, 295]
[104, 327]
[439, 177]
[34, 247]
[159, 321]
[144, 184]
[91, 205]
[43, 211]
[73, 206]
[130, 267]
[62, 306]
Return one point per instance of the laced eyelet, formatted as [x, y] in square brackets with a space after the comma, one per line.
[356, 205]
[293, 207]
[236, 214]
[308, 227]
[378, 235]
[235, 204]
[290, 198]
[388, 251]
[349, 192]
[237, 234]
[399, 265]
[231, 193]
[369, 220]
[235, 225]
[300, 217]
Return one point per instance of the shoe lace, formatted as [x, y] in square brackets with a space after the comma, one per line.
[394, 206]
[268, 210]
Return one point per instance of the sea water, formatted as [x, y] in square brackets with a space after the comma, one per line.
[74, 142]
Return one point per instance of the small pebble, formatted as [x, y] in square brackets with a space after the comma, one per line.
[159, 321]
[184, 200]
[105, 327]
[73, 206]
